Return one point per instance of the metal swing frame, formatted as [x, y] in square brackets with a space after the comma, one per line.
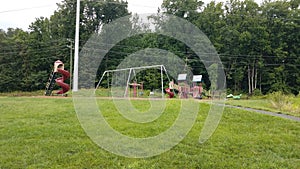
[132, 70]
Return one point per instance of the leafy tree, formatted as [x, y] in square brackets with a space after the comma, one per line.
[258, 44]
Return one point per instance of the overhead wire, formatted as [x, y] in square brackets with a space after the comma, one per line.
[23, 9]
[128, 47]
[64, 46]
[44, 46]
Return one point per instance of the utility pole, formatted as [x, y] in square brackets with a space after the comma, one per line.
[71, 59]
[76, 58]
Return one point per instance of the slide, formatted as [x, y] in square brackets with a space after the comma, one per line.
[60, 81]
[171, 94]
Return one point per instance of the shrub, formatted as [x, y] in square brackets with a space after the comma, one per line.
[257, 92]
[283, 102]
[279, 100]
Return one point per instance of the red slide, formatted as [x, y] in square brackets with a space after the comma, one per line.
[60, 81]
[171, 94]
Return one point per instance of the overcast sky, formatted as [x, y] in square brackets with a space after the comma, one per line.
[21, 13]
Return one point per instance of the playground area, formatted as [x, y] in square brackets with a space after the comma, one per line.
[124, 83]
[129, 83]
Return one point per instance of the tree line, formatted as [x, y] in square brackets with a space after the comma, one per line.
[257, 43]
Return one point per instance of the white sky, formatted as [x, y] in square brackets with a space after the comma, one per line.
[21, 13]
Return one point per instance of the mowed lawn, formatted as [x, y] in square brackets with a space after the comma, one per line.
[45, 133]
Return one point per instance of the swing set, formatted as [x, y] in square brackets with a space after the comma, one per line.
[123, 78]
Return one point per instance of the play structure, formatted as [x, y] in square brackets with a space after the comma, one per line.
[169, 92]
[181, 87]
[197, 88]
[125, 83]
[137, 89]
[54, 79]
[184, 90]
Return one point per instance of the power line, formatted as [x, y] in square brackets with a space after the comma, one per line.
[62, 46]
[23, 9]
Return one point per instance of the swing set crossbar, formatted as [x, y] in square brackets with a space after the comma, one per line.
[136, 68]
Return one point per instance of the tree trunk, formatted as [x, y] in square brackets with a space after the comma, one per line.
[255, 83]
[260, 82]
[252, 79]
[249, 80]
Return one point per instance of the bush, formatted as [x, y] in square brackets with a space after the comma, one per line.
[229, 91]
[283, 102]
[257, 92]
[279, 100]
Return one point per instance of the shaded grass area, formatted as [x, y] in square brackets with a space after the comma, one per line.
[21, 93]
[264, 104]
[45, 133]
[31, 94]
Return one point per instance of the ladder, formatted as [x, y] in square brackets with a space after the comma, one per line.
[50, 84]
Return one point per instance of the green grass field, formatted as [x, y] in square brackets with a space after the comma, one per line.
[45, 133]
